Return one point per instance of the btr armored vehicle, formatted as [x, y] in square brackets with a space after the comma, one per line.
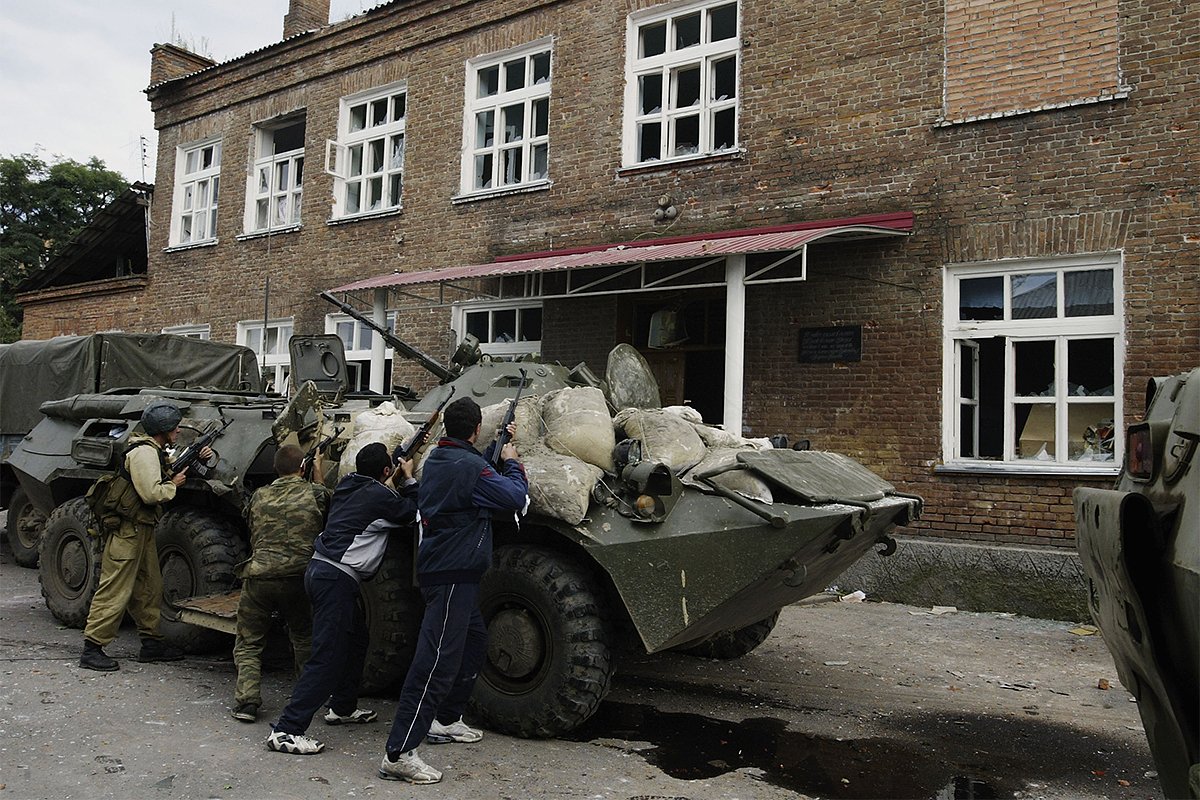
[34, 371]
[1140, 547]
[648, 562]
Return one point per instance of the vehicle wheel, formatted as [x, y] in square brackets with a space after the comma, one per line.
[69, 563]
[549, 660]
[394, 611]
[198, 552]
[25, 524]
[734, 643]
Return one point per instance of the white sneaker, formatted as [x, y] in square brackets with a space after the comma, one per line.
[457, 731]
[360, 715]
[408, 767]
[295, 743]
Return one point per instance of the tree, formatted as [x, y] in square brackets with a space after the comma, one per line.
[42, 205]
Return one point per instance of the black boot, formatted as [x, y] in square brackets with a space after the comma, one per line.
[158, 650]
[94, 658]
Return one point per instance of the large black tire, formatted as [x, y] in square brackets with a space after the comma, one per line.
[394, 610]
[198, 552]
[549, 658]
[69, 563]
[24, 529]
[735, 643]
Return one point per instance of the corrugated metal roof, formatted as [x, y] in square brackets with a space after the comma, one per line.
[753, 240]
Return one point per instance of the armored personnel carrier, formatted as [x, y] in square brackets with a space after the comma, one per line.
[652, 562]
[1140, 548]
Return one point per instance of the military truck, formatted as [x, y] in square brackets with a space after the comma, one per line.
[1140, 548]
[34, 371]
[653, 564]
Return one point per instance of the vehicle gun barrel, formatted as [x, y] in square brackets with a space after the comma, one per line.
[393, 341]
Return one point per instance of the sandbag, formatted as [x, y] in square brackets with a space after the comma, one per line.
[631, 383]
[560, 486]
[578, 424]
[384, 424]
[527, 420]
[666, 437]
[742, 481]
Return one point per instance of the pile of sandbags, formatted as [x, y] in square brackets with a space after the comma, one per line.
[385, 423]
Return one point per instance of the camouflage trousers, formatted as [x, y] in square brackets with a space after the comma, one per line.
[130, 580]
[260, 597]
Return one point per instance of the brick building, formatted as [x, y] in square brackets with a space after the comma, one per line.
[950, 239]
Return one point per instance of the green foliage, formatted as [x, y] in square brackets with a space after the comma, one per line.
[42, 205]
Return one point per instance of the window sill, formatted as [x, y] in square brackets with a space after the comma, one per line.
[245, 237]
[178, 248]
[488, 194]
[391, 212]
[1038, 470]
[683, 161]
[1120, 94]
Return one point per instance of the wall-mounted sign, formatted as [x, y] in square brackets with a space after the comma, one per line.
[824, 345]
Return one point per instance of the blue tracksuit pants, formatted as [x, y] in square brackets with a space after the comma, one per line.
[334, 670]
[449, 655]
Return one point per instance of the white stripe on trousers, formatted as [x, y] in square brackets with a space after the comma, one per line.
[437, 657]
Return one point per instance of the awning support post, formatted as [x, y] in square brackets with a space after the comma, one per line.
[379, 315]
[735, 340]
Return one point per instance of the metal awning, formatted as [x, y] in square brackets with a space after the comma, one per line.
[668, 263]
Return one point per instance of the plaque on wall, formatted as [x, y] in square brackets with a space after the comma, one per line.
[825, 345]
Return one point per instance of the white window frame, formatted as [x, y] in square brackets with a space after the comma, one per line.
[533, 145]
[279, 359]
[197, 331]
[667, 66]
[194, 217]
[499, 350]
[1061, 330]
[332, 321]
[367, 160]
[276, 180]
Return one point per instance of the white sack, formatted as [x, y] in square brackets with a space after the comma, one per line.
[666, 437]
[578, 424]
[560, 486]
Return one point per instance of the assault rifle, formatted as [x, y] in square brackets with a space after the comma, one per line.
[502, 436]
[191, 454]
[409, 450]
[310, 458]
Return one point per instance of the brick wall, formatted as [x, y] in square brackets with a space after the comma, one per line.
[841, 109]
[115, 304]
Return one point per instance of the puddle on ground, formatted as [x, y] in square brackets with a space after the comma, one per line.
[960, 758]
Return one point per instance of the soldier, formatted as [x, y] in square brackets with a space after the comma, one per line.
[130, 579]
[285, 518]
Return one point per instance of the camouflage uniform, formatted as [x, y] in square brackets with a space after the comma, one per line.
[285, 518]
[130, 579]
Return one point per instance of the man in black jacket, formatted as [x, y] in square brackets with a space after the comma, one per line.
[364, 511]
[459, 491]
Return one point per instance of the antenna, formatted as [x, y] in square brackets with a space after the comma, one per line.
[143, 141]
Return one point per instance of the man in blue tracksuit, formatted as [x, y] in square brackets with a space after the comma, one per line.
[364, 512]
[459, 491]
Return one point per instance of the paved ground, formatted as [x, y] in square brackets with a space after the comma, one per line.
[844, 700]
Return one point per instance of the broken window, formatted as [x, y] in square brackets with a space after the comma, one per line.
[367, 160]
[197, 188]
[278, 179]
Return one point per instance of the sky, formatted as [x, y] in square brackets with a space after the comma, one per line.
[72, 72]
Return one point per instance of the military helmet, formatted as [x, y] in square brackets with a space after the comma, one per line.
[160, 417]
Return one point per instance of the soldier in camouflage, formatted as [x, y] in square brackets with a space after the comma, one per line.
[285, 518]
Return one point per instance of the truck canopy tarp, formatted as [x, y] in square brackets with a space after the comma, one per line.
[33, 371]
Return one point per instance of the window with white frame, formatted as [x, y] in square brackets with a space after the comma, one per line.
[507, 128]
[197, 184]
[681, 82]
[277, 176]
[1033, 362]
[505, 331]
[191, 331]
[367, 160]
[273, 356]
[357, 339]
